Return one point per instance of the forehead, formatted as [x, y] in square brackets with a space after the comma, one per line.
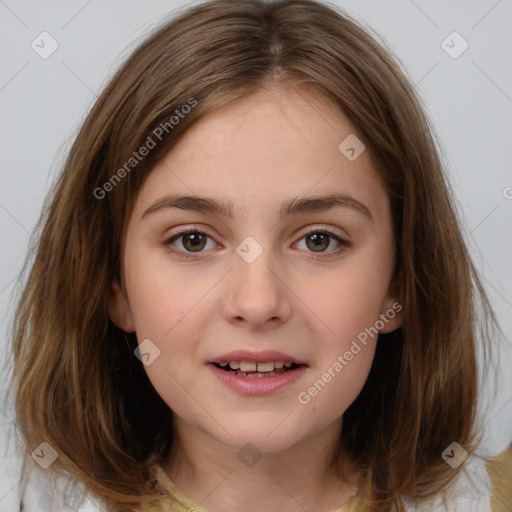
[265, 148]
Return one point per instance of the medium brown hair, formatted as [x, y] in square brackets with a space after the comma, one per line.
[78, 384]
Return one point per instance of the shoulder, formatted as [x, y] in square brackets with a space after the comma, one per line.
[471, 492]
[38, 499]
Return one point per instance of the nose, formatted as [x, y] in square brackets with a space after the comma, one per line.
[257, 293]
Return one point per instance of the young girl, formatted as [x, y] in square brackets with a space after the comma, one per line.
[250, 290]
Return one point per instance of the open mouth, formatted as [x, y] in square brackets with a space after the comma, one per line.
[259, 370]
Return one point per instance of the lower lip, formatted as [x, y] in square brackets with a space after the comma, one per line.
[257, 385]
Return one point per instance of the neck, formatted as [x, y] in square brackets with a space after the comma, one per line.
[219, 477]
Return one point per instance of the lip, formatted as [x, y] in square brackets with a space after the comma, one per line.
[257, 385]
[251, 356]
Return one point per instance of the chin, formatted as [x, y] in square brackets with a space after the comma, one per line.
[270, 436]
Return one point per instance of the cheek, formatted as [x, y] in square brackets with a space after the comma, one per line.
[350, 306]
[161, 292]
[165, 300]
[349, 302]
[335, 387]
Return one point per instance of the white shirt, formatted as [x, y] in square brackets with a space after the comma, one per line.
[470, 493]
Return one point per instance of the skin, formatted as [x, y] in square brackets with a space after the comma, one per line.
[259, 152]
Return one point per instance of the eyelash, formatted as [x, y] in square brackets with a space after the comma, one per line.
[345, 244]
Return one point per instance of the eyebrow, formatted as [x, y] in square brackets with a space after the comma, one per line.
[295, 206]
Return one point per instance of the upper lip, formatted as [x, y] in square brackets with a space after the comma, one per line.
[252, 356]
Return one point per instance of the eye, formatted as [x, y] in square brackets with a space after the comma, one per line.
[192, 240]
[318, 240]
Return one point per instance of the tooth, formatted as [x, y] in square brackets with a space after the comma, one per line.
[234, 365]
[287, 365]
[278, 364]
[247, 367]
[223, 363]
[266, 367]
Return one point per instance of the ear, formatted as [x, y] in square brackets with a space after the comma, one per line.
[391, 316]
[119, 308]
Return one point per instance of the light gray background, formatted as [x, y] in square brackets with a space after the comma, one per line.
[469, 99]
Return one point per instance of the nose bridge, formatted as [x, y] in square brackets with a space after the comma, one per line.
[254, 261]
[256, 291]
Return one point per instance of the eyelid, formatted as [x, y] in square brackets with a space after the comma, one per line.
[324, 228]
[304, 232]
[183, 231]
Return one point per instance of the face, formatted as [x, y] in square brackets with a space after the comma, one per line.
[311, 283]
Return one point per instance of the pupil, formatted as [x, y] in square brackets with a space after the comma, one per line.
[196, 241]
[317, 241]
[194, 236]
